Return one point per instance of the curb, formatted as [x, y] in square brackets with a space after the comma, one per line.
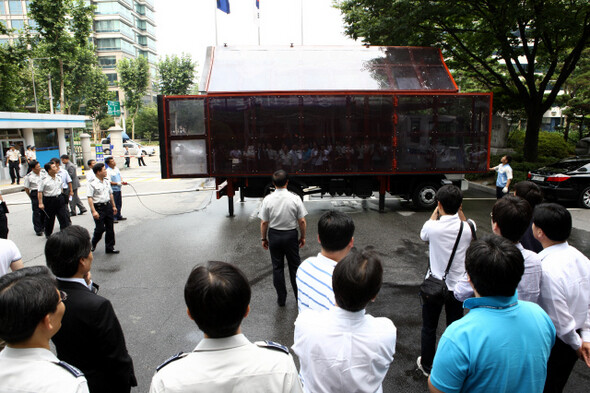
[481, 187]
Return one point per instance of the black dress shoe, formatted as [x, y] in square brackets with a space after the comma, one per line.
[39, 233]
[112, 251]
[93, 248]
[82, 212]
[72, 214]
[121, 218]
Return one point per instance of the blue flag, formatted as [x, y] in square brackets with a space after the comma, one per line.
[223, 5]
[258, 4]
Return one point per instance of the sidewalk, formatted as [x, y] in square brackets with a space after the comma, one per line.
[8, 188]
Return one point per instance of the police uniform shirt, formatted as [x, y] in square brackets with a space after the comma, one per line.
[37, 370]
[13, 155]
[31, 155]
[282, 209]
[33, 181]
[51, 186]
[231, 364]
[99, 191]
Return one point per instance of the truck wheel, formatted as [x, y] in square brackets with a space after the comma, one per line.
[585, 198]
[424, 196]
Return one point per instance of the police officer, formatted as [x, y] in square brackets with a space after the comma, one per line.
[102, 206]
[32, 182]
[51, 200]
[282, 211]
[217, 296]
[31, 311]
[13, 160]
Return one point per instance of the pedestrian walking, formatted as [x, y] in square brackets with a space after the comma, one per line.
[33, 180]
[140, 160]
[73, 173]
[13, 161]
[127, 155]
[102, 206]
[51, 200]
[114, 176]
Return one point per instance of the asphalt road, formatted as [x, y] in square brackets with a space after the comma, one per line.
[167, 234]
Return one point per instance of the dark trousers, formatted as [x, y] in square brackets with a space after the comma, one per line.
[430, 316]
[499, 193]
[103, 224]
[559, 367]
[118, 197]
[283, 244]
[128, 162]
[13, 168]
[38, 215]
[76, 202]
[3, 226]
[55, 206]
[140, 161]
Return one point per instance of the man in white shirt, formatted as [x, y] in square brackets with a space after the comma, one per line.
[565, 292]
[280, 215]
[13, 161]
[102, 206]
[10, 257]
[217, 296]
[89, 172]
[31, 311]
[51, 200]
[33, 180]
[344, 349]
[441, 232]
[511, 217]
[504, 176]
[314, 276]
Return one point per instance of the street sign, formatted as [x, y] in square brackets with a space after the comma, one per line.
[114, 108]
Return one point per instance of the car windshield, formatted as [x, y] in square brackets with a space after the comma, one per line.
[567, 166]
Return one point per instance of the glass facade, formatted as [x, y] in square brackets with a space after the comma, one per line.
[113, 8]
[107, 61]
[108, 26]
[343, 134]
[15, 7]
[17, 24]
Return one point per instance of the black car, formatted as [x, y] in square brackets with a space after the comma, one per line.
[566, 180]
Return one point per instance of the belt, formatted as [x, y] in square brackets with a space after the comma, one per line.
[102, 204]
[283, 230]
[51, 197]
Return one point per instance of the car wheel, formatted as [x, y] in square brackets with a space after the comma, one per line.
[144, 153]
[424, 196]
[585, 198]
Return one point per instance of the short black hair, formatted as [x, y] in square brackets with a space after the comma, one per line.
[47, 166]
[450, 197]
[27, 295]
[555, 221]
[280, 178]
[108, 159]
[65, 157]
[508, 158]
[89, 162]
[495, 266]
[513, 215]
[335, 230]
[56, 161]
[529, 191]
[357, 279]
[217, 296]
[97, 167]
[65, 248]
[33, 164]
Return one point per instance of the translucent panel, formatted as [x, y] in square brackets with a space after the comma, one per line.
[442, 133]
[189, 157]
[15, 7]
[186, 117]
[237, 69]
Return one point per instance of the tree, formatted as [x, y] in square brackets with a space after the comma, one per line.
[96, 95]
[134, 77]
[576, 99]
[523, 48]
[64, 27]
[15, 74]
[176, 74]
[147, 122]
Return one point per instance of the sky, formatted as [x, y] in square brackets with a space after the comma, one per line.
[189, 25]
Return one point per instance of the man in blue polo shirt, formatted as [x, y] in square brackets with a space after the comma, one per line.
[502, 344]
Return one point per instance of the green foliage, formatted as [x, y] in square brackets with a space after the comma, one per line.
[486, 41]
[15, 77]
[552, 146]
[176, 74]
[134, 77]
[147, 122]
[106, 122]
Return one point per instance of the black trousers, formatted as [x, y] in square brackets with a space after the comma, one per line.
[55, 206]
[283, 244]
[14, 171]
[140, 161]
[103, 224]
[118, 197]
[38, 215]
[430, 316]
[559, 367]
[3, 226]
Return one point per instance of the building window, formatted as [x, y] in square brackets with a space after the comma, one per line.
[112, 79]
[2, 10]
[15, 7]
[107, 61]
[18, 24]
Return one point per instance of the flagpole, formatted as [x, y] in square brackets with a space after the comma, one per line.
[301, 22]
[216, 42]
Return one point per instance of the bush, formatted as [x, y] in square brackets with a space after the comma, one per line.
[551, 145]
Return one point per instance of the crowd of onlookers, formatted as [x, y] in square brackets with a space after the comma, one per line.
[527, 324]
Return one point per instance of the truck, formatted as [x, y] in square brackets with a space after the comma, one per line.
[340, 120]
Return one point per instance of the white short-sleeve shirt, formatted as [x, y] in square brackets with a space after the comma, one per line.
[282, 209]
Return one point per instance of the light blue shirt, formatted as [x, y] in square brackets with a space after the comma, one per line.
[504, 173]
[115, 176]
[501, 345]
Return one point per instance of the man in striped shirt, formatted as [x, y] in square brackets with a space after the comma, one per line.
[314, 276]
